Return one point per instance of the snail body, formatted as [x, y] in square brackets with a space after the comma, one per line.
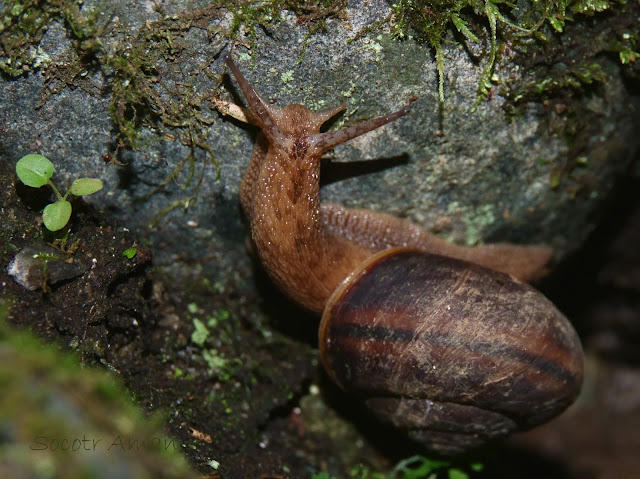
[444, 341]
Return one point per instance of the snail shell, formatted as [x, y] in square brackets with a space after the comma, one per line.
[454, 353]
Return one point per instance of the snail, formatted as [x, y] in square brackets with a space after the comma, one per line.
[448, 343]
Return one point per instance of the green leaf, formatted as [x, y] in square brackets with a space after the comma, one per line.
[56, 215]
[418, 467]
[130, 253]
[627, 55]
[461, 26]
[34, 170]
[456, 473]
[556, 23]
[86, 186]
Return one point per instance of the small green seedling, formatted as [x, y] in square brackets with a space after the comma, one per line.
[36, 170]
[130, 253]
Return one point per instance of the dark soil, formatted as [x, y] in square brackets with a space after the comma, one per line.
[114, 314]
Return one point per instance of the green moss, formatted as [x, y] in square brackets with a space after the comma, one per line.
[221, 327]
[519, 22]
[628, 42]
[223, 368]
[563, 65]
[23, 23]
[217, 316]
[249, 15]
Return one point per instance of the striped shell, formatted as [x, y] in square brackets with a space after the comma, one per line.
[454, 353]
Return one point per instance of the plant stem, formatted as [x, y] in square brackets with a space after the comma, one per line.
[55, 190]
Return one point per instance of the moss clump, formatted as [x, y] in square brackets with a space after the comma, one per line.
[431, 20]
[23, 23]
[248, 14]
[566, 63]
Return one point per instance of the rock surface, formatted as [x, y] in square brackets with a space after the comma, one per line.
[533, 176]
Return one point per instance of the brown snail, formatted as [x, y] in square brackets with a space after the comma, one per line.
[445, 342]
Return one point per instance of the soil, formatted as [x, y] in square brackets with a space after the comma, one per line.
[113, 313]
[237, 392]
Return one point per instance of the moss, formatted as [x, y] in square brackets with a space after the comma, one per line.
[137, 104]
[220, 366]
[564, 71]
[513, 23]
[23, 23]
[132, 69]
[145, 109]
[535, 52]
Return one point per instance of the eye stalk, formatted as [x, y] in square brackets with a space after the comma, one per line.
[331, 139]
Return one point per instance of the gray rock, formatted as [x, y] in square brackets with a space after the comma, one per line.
[506, 171]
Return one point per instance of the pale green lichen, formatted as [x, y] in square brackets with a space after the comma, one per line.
[287, 76]
[374, 47]
[452, 207]
[474, 218]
